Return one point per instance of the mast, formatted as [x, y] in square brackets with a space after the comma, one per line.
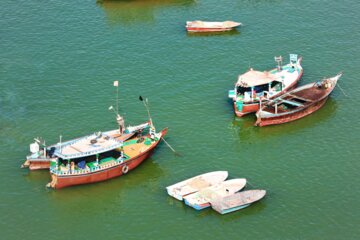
[119, 119]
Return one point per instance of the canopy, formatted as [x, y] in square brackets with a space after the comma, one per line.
[86, 146]
[254, 78]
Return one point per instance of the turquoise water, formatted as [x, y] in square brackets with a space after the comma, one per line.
[58, 61]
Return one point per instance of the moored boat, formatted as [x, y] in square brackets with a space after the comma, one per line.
[201, 199]
[236, 201]
[194, 184]
[99, 157]
[254, 85]
[203, 26]
[297, 103]
[41, 155]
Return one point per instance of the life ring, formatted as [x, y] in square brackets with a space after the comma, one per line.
[125, 169]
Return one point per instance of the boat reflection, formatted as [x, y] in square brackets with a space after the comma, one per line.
[135, 11]
[246, 130]
[143, 177]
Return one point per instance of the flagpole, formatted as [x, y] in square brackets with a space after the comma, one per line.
[117, 98]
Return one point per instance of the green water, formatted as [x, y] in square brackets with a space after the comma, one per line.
[58, 61]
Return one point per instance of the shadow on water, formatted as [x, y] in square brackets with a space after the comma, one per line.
[135, 11]
[254, 209]
[141, 176]
[247, 131]
[206, 34]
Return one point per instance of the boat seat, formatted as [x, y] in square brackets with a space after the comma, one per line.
[300, 98]
[292, 103]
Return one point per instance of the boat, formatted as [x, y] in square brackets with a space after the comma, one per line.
[203, 26]
[194, 184]
[254, 85]
[201, 199]
[99, 157]
[236, 201]
[41, 155]
[297, 103]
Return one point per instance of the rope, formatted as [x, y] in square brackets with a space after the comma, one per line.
[342, 90]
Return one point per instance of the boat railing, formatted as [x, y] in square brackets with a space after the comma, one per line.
[56, 171]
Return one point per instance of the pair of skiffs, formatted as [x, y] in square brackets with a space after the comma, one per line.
[212, 189]
[273, 94]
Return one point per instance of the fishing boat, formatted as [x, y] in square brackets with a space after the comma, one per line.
[194, 184]
[201, 199]
[297, 103]
[203, 26]
[41, 155]
[236, 201]
[99, 157]
[254, 85]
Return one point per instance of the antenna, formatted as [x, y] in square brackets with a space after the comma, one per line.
[146, 102]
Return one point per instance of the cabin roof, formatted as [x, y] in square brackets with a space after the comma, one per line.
[95, 143]
[254, 78]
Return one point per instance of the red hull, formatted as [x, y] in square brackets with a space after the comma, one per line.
[246, 109]
[61, 181]
[291, 117]
[254, 106]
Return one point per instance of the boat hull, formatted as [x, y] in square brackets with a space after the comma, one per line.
[117, 170]
[36, 164]
[197, 206]
[225, 211]
[291, 116]
[196, 29]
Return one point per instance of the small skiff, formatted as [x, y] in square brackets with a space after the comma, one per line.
[236, 201]
[297, 103]
[202, 26]
[194, 184]
[202, 198]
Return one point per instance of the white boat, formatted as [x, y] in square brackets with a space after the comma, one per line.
[194, 184]
[202, 198]
[236, 201]
[203, 26]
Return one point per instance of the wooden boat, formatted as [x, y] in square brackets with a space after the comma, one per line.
[41, 155]
[297, 103]
[202, 26]
[236, 201]
[194, 184]
[201, 199]
[99, 157]
[254, 85]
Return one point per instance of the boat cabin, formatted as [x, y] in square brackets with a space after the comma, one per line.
[255, 84]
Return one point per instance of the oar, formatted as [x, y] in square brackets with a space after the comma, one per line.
[172, 149]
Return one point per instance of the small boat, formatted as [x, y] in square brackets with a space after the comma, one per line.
[236, 201]
[203, 26]
[254, 85]
[41, 155]
[297, 103]
[194, 184]
[201, 199]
